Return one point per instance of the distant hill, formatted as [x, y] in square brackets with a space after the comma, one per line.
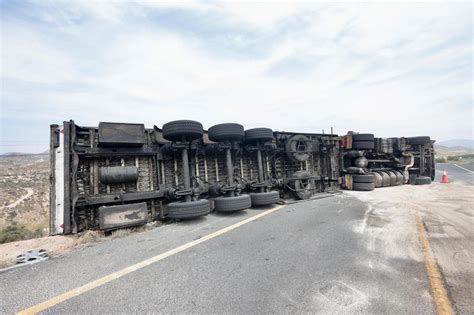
[24, 154]
[466, 143]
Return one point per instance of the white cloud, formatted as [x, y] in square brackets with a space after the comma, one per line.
[388, 69]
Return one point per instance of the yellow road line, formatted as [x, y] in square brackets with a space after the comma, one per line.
[440, 295]
[472, 172]
[97, 283]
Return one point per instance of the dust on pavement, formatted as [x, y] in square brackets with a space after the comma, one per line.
[448, 214]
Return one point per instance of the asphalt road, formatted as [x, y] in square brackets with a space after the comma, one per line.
[456, 172]
[333, 255]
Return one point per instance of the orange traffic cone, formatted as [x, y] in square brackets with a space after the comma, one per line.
[444, 178]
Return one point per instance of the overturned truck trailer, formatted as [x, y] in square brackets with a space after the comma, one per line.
[119, 174]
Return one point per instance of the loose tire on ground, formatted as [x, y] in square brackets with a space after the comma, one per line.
[230, 204]
[363, 145]
[419, 140]
[363, 137]
[258, 134]
[188, 210]
[363, 186]
[363, 178]
[227, 131]
[422, 180]
[265, 198]
[176, 130]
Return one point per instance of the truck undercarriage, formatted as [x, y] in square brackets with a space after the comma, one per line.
[117, 174]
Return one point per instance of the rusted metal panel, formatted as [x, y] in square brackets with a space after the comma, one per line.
[114, 217]
[121, 134]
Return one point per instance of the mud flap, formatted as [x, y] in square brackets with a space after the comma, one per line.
[114, 217]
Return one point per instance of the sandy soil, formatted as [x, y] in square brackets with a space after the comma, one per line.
[448, 214]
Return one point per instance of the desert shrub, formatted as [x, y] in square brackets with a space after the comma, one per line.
[14, 232]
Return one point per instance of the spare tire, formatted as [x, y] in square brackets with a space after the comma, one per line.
[363, 178]
[265, 198]
[419, 140]
[179, 129]
[230, 204]
[363, 186]
[188, 210]
[363, 145]
[298, 148]
[363, 137]
[258, 134]
[227, 131]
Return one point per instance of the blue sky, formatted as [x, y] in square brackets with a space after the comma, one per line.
[391, 69]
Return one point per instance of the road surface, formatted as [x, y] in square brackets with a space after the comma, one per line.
[456, 172]
[356, 252]
[318, 256]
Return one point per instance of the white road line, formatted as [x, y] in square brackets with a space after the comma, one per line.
[467, 170]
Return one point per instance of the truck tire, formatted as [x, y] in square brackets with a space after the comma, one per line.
[230, 204]
[225, 132]
[419, 140]
[265, 198]
[363, 145]
[258, 134]
[363, 178]
[363, 137]
[188, 210]
[385, 179]
[393, 178]
[363, 186]
[378, 179]
[422, 180]
[176, 130]
[400, 178]
[298, 148]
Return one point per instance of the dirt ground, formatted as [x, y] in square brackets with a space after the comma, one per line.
[24, 194]
[448, 215]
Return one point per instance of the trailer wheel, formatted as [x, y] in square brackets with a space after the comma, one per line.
[188, 210]
[265, 198]
[363, 145]
[229, 204]
[363, 186]
[363, 137]
[176, 130]
[258, 134]
[228, 131]
[419, 140]
[363, 178]
[422, 180]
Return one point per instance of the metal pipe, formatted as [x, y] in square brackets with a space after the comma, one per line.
[230, 169]
[260, 169]
[187, 180]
